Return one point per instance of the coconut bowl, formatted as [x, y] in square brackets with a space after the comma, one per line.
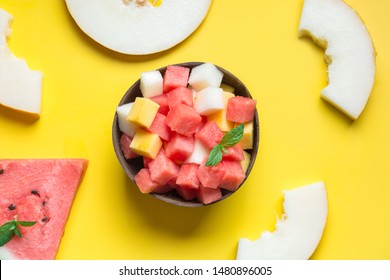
[132, 166]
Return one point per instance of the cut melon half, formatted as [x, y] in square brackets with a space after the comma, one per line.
[299, 231]
[350, 52]
[138, 27]
[20, 87]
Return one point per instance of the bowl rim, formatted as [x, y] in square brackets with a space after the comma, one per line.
[171, 197]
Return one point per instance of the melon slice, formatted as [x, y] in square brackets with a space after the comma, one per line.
[40, 190]
[138, 27]
[349, 52]
[20, 87]
[298, 233]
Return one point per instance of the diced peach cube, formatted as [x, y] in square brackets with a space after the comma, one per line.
[142, 112]
[146, 143]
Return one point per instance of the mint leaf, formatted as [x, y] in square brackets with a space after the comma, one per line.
[232, 137]
[10, 229]
[215, 156]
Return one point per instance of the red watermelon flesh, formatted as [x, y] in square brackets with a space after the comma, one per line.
[210, 176]
[175, 76]
[163, 102]
[234, 153]
[183, 119]
[162, 169]
[180, 95]
[188, 177]
[234, 175]
[180, 147]
[208, 195]
[40, 190]
[240, 109]
[159, 127]
[125, 146]
[210, 134]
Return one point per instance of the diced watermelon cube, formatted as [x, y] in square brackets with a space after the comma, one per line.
[201, 124]
[234, 153]
[163, 102]
[160, 127]
[210, 176]
[207, 195]
[175, 76]
[234, 175]
[187, 193]
[125, 147]
[146, 161]
[145, 182]
[162, 169]
[183, 119]
[188, 177]
[180, 95]
[240, 109]
[180, 147]
[210, 134]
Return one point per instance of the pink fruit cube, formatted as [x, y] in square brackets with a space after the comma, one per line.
[240, 109]
[234, 175]
[180, 147]
[175, 76]
[207, 195]
[125, 142]
[183, 119]
[186, 193]
[210, 134]
[160, 127]
[188, 177]
[145, 182]
[162, 169]
[234, 153]
[180, 95]
[210, 176]
[163, 102]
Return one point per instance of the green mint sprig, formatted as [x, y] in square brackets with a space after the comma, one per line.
[230, 139]
[11, 228]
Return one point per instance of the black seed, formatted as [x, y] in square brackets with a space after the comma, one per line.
[1, 171]
[35, 192]
[12, 207]
[45, 219]
[44, 203]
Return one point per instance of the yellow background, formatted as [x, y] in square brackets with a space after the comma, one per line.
[303, 139]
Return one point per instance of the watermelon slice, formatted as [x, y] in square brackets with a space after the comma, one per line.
[40, 190]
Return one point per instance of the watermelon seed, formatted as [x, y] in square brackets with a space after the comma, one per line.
[45, 219]
[35, 192]
[1, 171]
[12, 207]
[44, 203]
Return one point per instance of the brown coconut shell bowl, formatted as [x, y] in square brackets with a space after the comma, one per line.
[132, 166]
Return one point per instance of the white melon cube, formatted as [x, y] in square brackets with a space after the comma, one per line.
[205, 75]
[151, 83]
[199, 154]
[209, 100]
[124, 125]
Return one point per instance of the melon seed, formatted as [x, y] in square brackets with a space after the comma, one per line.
[35, 192]
[1, 171]
[12, 207]
[45, 219]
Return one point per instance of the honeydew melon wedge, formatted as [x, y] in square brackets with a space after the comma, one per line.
[349, 52]
[298, 233]
[20, 87]
[138, 27]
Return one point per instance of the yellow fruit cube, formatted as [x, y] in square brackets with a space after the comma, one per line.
[246, 141]
[245, 162]
[143, 112]
[227, 88]
[146, 143]
[220, 116]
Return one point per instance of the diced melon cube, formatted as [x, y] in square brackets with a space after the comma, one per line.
[208, 195]
[234, 175]
[241, 109]
[162, 169]
[199, 154]
[187, 193]
[234, 153]
[146, 143]
[188, 177]
[246, 161]
[125, 142]
[143, 112]
[160, 127]
[145, 182]
[163, 102]
[205, 75]
[124, 125]
[175, 76]
[180, 147]
[183, 119]
[246, 141]
[151, 83]
[180, 95]
[210, 176]
[209, 100]
[220, 116]
[227, 88]
[210, 134]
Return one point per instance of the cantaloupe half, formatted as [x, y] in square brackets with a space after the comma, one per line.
[350, 52]
[20, 87]
[298, 233]
[138, 27]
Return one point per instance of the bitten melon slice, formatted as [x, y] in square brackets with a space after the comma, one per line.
[40, 190]
[138, 27]
[349, 52]
[298, 233]
[20, 87]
